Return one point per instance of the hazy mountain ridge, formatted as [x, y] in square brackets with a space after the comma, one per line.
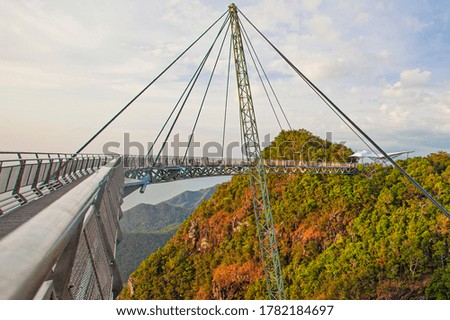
[145, 218]
[190, 199]
[147, 227]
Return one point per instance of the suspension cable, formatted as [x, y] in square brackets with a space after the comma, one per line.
[173, 110]
[248, 41]
[320, 96]
[324, 99]
[196, 76]
[146, 87]
[353, 124]
[206, 92]
[262, 82]
[226, 98]
[189, 90]
[347, 124]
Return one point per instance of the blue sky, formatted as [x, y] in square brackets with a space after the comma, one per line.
[67, 66]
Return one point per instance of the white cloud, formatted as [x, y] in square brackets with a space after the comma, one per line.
[29, 76]
[44, 30]
[394, 115]
[411, 88]
[363, 18]
[384, 54]
[366, 56]
[310, 5]
[414, 78]
[322, 26]
[415, 103]
[273, 17]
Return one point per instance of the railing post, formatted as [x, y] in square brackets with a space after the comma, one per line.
[16, 190]
[36, 177]
[49, 174]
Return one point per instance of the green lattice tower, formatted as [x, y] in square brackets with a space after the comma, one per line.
[258, 183]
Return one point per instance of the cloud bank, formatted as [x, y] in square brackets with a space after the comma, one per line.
[67, 67]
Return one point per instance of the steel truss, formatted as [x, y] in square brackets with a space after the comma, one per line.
[252, 150]
[168, 174]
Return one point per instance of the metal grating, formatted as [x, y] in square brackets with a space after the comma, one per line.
[81, 285]
[99, 257]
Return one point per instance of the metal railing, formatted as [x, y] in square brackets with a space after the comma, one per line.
[145, 170]
[25, 176]
[131, 161]
[67, 250]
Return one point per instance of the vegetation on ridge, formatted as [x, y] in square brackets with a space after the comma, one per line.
[367, 236]
[148, 227]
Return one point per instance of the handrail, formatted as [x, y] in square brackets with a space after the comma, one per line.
[115, 155]
[134, 162]
[29, 253]
[26, 176]
[20, 157]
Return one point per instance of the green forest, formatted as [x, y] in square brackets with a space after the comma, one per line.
[365, 236]
[147, 227]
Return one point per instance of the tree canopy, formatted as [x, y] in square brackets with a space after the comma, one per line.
[365, 236]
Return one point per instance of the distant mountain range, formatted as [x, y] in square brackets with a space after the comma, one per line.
[147, 227]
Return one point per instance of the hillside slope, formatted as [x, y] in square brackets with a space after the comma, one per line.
[368, 236]
[147, 227]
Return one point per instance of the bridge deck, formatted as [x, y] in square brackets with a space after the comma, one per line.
[144, 175]
[12, 220]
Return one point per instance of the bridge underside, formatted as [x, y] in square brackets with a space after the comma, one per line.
[144, 176]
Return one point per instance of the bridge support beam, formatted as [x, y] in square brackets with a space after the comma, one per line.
[252, 149]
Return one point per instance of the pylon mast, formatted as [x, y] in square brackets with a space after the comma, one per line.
[258, 181]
